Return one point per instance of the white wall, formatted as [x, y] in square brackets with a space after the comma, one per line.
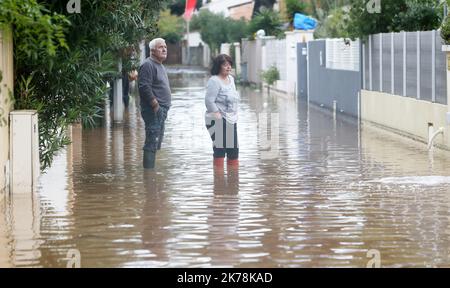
[283, 55]
[405, 115]
[6, 66]
[341, 56]
[194, 39]
[292, 38]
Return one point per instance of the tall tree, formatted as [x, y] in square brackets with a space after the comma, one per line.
[267, 20]
[67, 58]
[395, 15]
[216, 29]
[213, 29]
[295, 6]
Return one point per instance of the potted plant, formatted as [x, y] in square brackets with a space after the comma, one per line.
[270, 76]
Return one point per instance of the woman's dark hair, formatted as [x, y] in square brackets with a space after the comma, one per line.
[218, 62]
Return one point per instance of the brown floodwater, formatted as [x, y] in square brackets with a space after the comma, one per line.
[331, 192]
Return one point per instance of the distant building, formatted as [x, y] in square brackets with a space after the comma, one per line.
[235, 9]
[242, 11]
[199, 53]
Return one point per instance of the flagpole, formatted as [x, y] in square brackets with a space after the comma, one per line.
[189, 8]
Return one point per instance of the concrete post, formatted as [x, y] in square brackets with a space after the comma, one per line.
[225, 48]
[142, 54]
[24, 151]
[6, 86]
[118, 101]
[237, 53]
[292, 38]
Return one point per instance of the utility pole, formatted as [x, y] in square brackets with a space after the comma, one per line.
[188, 49]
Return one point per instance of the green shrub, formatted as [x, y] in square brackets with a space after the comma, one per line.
[445, 31]
[271, 75]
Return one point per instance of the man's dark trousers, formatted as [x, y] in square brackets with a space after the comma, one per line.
[154, 133]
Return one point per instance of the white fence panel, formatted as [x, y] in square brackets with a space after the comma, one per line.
[341, 55]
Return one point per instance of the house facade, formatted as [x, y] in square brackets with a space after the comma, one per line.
[230, 8]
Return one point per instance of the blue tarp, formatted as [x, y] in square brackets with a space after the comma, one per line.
[303, 22]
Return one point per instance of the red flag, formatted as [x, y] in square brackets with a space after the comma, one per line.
[190, 6]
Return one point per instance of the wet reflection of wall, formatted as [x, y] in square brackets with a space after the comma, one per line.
[333, 161]
[155, 219]
[223, 222]
[279, 176]
[131, 133]
[318, 154]
[5, 247]
[24, 223]
[180, 78]
[383, 149]
[56, 196]
[417, 211]
[106, 209]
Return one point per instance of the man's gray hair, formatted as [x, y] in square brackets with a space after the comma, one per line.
[154, 42]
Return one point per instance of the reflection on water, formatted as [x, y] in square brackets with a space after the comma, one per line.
[334, 192]
[417, 180]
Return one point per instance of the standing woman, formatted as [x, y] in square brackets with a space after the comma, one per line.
[221, 102]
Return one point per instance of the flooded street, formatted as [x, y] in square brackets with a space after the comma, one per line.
[334, 192]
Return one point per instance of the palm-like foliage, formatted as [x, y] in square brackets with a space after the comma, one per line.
[268, 20]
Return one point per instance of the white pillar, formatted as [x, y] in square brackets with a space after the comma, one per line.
[292, 38]
[6, 84]
[206, 55]
[264, 65]
[142, 48]
[225, 48]
[118, 101]
[237, 53]
[24, 151]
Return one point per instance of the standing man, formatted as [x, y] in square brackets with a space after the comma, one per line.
[155, 95]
